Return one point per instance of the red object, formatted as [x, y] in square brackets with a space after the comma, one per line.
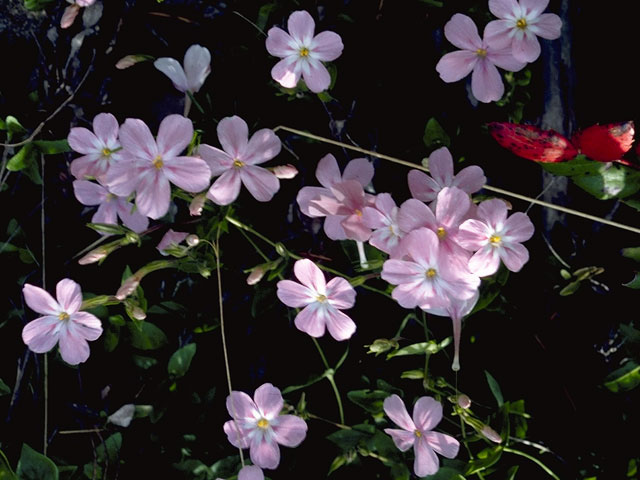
[605, 143]
[533, 143]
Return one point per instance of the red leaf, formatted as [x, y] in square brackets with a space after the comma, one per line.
[605, 143]
[533, 143]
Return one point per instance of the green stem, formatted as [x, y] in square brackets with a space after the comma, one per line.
[337, 394]
[44, 286]
[319, 348]
[534, 460]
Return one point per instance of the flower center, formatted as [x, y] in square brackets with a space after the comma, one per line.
[109, 197]
[494, 239]
[430, 273]
[263, 423]
[441, 232]
[157, 162]
[63, 316]
[417, 433]
[521, 23]
[106, 152]
[481, 52]
[304, 52]
[358, 212]
[321, 298]
[238, 163]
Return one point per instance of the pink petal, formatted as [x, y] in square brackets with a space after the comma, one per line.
[40, 301]
[456, 65]
[301, 27]
[233, 134]
[311, 320]
[197, 66]
[503, 8]
[445, 445]
[294, 295]
[497, 34]
[250, 472]
[374, 218]
[419, 293]
[427, 413]
[260, 182]
[514, 256]
[385, 204]
[462, 32]
[83, 140]
[87, 325]
[263, 146]
[328, 172]
[188, 173]
[485, 261]
[401, 438]
[279, 43]
[525, 48]
[69, 15]
[534, 7]
[494, 211]
[218, 160]
[264, 453]
[240, 406]
[137, 139]
[423, 245]
[326, 46]
[106, 213]
[41, 334]
[452, 206]
[310, 275]
[131, 218]
[518, 228]
[395, 409]
[316, 76]
[486, 82]
[89, 193]
[548, 26]
[426, 461]
[470, 179]
[226, 188]
[290, 430]
[307, 199]
[174, 135]
[340, 325]
[74, 349]
[269, 400]
[422, 186]
[397, 271]
[90, 165]
[340, 293]
[355, 229]
[153, 194]
[235, 434]
[172, 69]
[123, 177]
[105, 126]
[441, 166]
[504, 59]
[171, 237]
[359, 169]
[285, 72]
[474, 234]
[333, 227]
[69, 295]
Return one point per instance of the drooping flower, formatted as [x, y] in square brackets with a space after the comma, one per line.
[237, 162]
[149, 166]
[197, 66]
[99, 148]
[322, 301]
[169, 239]
[521, 22]
[478, 56]
[302, 53]
[495, 237]
[383, 219]
[418, 433]
[63, 323]
[110, 206]
[258, 425]
[426, 188]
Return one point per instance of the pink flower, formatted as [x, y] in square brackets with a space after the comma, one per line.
[99, 148]
[302, 53]
[148, 166]
[383, 219]
[110, 206]
[62, 322]
[322, 301]
[521, 22]
[417, 433]
[250, 472]
[426, 188]
[171, 238]
[258, 425]
[237, 162]
[478, 56]
[197, 66]
[496, 237]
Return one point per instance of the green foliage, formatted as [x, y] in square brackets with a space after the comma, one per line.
[624, 378]
[4, 388]
[495, 388]
[147, 336]
[370, 400]
[180, 361]
[35, 466]
[5, 469]
[435, 136]
[37, 4]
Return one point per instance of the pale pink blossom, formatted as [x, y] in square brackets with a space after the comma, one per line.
[63, 323]
[495, 237]
[417, 432]
[99, 148]
[476, 56]
[197, 66]
[426, 188]
[321, 302]
[521, 22]
[302, 52]
[171, 239]
[110, 206]
[237, 162]
[250, 472]
[383, 220]
[258, 425]
[148, 166]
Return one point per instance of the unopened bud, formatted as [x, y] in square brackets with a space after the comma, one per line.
[463, 401]
[285, 172]
[197, 204]
[94, 256]
[130, 60]
[128, 287]
[256, 275]
[192, 240]
[491, 434]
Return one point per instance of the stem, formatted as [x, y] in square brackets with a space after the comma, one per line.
[362, 255]
[337, 394]
[324, 359]
[534, 460]
[45, 428]
[187, 105]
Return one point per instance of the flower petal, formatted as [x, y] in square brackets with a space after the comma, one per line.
[427, 413]
[485, 261]
[74, 349]
[264, 453]
[548, 26]
[359, 169]
[40, 300]
[441, 166]
[105, 126]
[497, 34]
[340, 293]
[426, 462]
[218, 160]
[226, 188]
[326, 46]
[301, 27]
[130, 217]
[310, 275]
[316, 77]
[279, 43]
[172, 69]
[403, 439]
[470, 179]
[250, 472]
[311, 320]
[514, 256]
[240, 406]
[445, 445]
[153, 194]
[69, 295]
[197, 66]
[340, 325]
[237, 436]
[137, 140]
[525, 48]
[422, 186]
[233, 134]
[328, 172]
[189, 173]
[395, 409]
[260, 182]
[486, 82]
[518, 228]
[263, 146]
[285, 72]
[41, 334]
[89, 193]
[87, 325]
[294, 295]
[504, 8]
[83, 140]
[269, 400]
[456, 65]
[462, 32]
[290, 430]
[174, 134]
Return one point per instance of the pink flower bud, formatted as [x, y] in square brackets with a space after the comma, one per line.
[256, 275]
[93, 256]
[197, 204]
[69, 15]
[128, 287]
[192, 240]
[491, 434]
[285, 172]
[463, 401]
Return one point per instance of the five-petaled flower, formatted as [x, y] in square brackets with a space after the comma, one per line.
[258, 425]
[302, 53]
[197, 66]
[63, 323]
[417, 433]
[322, 301]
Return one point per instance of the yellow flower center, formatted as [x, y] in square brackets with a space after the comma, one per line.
[521, 23]
[157, 162]
[238, 163]
[430, 273]
[358, 212]
[418, 433]
[106, 152]
[321, 298]
[263, 423]
[63, 316]
[109, 197]
[481, 52]
[441, 232]
[304, 52]
[494, 239]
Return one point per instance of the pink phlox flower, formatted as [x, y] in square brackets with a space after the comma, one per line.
[426, 188]
[383, 220]
[110, 206]
[149, 166]
[478, 56]
[321, 302]
[99, 148]
[495, 237]
[521, 22]
[171, 238]
[63, 323]
[197, 66]
[302, 53]
[427, 276]
[258, 425]
[341, 199]
[237, 162]
[417, 432]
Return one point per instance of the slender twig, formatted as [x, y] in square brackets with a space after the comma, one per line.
[45, 429]
[85, 430]
[534, 460]
[247, 20]
[490, 188]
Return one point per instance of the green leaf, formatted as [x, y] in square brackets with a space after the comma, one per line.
[381, 345]
[263, 15]
[370, 400]
[631, 252]
[226, 467]
[421, 348]
[313, 379]
[446, 473]
[147, 337]
[580, 165]
[635, 283]
[511, 473]
[484, 459]
[36, 4]
[623, 379]
[435, 136]
[4, 390]
[570, 289]
[35, 466]
[111, 339]
[21, 160]
[631, 334]
[52, 147]
[13, 125]
[495, 388]
[5, 469]
[6, 247]
[180, 361]
[109, 450]
[347, 439]
[413, 374]
[144, 362]
[610, 181]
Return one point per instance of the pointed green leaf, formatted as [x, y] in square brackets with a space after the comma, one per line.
[4, 390]
[180, 361]
[632, 252]
[635, 283]
[347, 439]
[5, 469]
[35, 466]
[13, 125]
[147, 337]
[435, 136]
[610, 181]
[370, 400]
[52, 147]
[495, 388]
[21, 160]
[623, 379]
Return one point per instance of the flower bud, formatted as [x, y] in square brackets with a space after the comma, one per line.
[285, 172]
[491, 434]
[256, 275]
[192, 240]
[94, 256]
[463, 401]
[197, 204]
[128, 287]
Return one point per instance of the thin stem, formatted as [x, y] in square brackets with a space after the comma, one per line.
[86, 430]
[187, 105]
[534, 460]
[249, 21]
[45, 433]
[337, 394]
[319, 348]
[362, 255]
[500, 191]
